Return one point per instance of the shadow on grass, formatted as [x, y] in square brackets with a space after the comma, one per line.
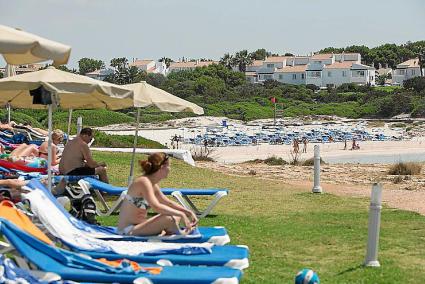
[351, 269]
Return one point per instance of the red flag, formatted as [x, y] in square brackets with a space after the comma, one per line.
[273, 99]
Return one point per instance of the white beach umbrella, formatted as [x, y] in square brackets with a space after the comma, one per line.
[62, 89]
[147, 95]
[19, 47]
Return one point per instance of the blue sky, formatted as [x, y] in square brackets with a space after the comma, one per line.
[104, 29]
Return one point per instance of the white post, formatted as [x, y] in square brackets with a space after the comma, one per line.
[79, 124]
[374, 224]
[317, 188]
[49, 149]
[8, 112]
[133, 156]
[69, 123]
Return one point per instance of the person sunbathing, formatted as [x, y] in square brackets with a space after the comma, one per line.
[77, 159]
[145, 193]
[57, 137]
[25, 150]
[13, 186]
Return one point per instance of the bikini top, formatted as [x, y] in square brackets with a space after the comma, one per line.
[139, 202]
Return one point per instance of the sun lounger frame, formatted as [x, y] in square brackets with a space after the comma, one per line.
[181, 195]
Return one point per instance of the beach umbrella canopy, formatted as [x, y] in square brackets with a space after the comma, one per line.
[64, 89]
[19, 47]
[68, 90]
[145, 95]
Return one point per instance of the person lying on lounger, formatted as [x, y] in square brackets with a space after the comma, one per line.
[14, 187]
[77, 159]
[57, 137]
[145, 193]
[28, 126]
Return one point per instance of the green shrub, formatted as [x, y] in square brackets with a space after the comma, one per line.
[275, 161]
[405, 169]
[102, 139]
[310, 162]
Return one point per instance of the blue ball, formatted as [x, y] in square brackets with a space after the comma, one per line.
[307, 276]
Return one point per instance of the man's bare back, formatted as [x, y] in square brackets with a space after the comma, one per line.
[72, 155]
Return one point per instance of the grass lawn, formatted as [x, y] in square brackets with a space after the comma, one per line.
[288, 229]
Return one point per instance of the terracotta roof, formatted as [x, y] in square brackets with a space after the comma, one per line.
[277, 58]
[191, 64]
[340, 65]
[292, 69]
[141, 62]
[256, 63]
[250, 73]
[322, 56]
[410, 63]
[384, 71]
[95, 72]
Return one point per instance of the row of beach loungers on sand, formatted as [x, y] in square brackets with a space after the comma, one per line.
[49, 245]
[222, 136]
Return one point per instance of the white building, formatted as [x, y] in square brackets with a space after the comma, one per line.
[321, 70]
[100, 74]
[406, 70]
[150, 66]
[291, 75]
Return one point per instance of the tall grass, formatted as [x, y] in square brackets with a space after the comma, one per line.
[401, 168]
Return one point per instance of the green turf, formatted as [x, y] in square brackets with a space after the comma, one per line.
[288, 228]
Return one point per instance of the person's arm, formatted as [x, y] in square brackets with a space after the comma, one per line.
[164, 200]
[88, 157]
[144, 186]
[55, 159]
[13, 183]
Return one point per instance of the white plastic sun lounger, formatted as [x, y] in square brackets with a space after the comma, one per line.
[181, 194]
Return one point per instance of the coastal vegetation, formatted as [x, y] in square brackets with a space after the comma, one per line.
[287, 228]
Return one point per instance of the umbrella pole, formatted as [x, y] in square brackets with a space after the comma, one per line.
[136, 133]
[69, 123]
[8, 112]
[49, 151]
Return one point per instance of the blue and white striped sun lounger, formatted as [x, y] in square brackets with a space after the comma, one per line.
[82, 241]
[181, 194]
[73, 266]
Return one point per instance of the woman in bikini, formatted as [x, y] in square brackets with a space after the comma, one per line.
[57, 137]
[145, 193]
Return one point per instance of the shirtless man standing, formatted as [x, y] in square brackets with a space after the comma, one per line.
[77, 159]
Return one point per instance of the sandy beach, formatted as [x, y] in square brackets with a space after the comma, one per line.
[369, 152]
[347, 172]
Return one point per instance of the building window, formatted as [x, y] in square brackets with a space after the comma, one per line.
[270, 65]
[413, 72]
[302, 76]
[294, 76]
[268, 77]
[315, 74]
[344, 73]
[401, 72]
[280, 76]
[329, 74]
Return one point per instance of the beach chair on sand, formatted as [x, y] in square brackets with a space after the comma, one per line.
[80, 240]
[181, 194]
[215, 235]
[78, 267]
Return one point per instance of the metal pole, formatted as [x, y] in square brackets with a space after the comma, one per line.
[317, 188]
[8, 112]
[69, 123]
[79, 124]
[49, 149]
[133, 156]
[374, 224]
